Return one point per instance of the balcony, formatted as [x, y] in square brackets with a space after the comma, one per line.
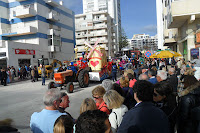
[52, 3]
[53, 32]
[19, 31]
[24, 11]
[53, 16]
[182, 11]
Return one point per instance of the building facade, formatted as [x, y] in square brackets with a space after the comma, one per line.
[93, 26]
[144, 42]
[181, 25]
[34, 29]
[111, 6]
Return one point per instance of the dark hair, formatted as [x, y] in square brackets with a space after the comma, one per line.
[63, 94]
[189, 80]
[92, 121]
[163, 88]
[130, 76]
[117, 88]
[63, 123]
[152, 72]
[144, 90]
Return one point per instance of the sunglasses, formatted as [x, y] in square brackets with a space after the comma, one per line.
[155, 95]
[96, 97]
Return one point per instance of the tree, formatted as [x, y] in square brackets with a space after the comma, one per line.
[123, 40]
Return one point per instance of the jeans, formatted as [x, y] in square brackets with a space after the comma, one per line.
[43, 80]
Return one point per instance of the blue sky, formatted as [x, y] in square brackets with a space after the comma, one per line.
[138, 16]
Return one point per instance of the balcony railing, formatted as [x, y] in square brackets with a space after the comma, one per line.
[24, 11]
[19, 31]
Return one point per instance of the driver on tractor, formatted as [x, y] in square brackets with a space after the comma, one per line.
[72, 67]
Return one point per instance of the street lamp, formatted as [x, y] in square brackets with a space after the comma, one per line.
[109, 45]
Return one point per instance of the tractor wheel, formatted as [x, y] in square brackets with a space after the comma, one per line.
[83, 78]
[51, 85]
[70, 87]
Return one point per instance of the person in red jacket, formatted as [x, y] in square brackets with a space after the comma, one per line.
[97, 94]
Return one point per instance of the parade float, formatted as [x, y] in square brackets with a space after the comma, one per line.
[100, 68]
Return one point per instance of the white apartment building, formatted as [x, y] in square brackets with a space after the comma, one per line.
[111, 6]
[34, 29]
[144, 42]
[93, 26]
[180, 20]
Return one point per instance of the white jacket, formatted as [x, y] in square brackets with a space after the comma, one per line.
[116, 117]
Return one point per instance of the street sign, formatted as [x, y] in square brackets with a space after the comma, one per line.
[148, 54]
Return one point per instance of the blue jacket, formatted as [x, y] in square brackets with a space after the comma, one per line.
[144, 118]
[153, 80]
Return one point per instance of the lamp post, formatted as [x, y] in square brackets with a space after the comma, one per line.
[109, 41]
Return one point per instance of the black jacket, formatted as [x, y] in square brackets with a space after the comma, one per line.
[173, 81]
[189, 100]
[144, 118]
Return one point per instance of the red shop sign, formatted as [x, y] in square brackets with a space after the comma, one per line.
[25, 51]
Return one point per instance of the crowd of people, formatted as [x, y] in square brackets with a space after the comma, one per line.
[150, 96]
[146, 99]
[10, 74]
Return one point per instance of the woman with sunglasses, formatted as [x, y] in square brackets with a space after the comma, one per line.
[97, 94]
[166, 101]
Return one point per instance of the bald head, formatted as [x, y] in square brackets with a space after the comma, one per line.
[143, 77]
[171, 71]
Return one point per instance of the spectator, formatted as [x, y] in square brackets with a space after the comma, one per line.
[43, 122]
[4, 77]
[114, 72]
[144, 115]
[173, 80]
[166, 101]
[115, 101]
[161, 75]
[132, 80]
[189, 99]
[64, 104]
[87, 104]
[117, 88]
[143, 77]
[93, 121]
[97, 94]
[36, 73]
[43, 74]
[152, 76]
[33, 75]
[63, 124]
[12, 71]
[107, 84]
[128, 93]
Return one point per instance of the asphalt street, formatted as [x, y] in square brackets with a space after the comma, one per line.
[19, 100]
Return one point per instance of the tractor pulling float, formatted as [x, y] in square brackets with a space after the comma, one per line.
[97, 69]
